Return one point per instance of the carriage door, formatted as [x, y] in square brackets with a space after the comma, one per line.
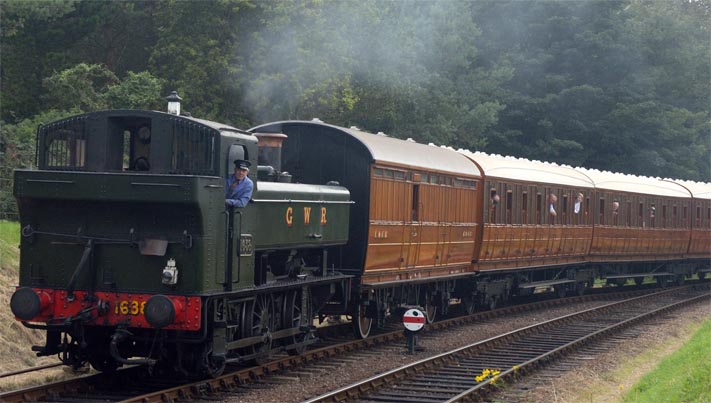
[412, 236]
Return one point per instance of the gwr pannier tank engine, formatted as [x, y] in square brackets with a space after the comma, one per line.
[129, 255]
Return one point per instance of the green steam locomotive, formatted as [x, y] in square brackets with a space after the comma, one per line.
[128, 249]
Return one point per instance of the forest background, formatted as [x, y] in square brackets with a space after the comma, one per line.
[616, 85]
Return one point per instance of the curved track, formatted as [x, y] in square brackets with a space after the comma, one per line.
[131, 385]
[473, 371]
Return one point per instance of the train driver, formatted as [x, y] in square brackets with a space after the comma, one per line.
[238, 187]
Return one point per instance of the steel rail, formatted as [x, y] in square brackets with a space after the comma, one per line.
[237, 379]
[516, 365]
[26, 370]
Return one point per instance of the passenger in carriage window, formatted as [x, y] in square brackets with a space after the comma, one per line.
[494, 201]
[552, 199]
[494, 198]
[578, 203]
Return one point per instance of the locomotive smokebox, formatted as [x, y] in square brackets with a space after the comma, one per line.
[270, 149]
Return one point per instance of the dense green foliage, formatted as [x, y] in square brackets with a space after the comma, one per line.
[684, 376]
[618, 85]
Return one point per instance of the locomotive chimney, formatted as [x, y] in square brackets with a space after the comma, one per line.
[270, 149]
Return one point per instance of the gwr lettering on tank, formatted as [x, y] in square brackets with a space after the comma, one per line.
[289, 216]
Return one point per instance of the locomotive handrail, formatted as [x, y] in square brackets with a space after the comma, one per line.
[303, 201]
[28, 231]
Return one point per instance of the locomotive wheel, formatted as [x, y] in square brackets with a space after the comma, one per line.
[258, 320]
[361, 323]
[294, 317]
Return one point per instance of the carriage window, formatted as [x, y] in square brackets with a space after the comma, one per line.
[494, 199]
[415, 202]
[684, 216]
[377, 171]
[675, 217]
[524, 206]
[509, 205]
[640, 215]
[539, 207]
[629, 214]
[465, 183]
[601, 213]
[664, 216]
[564, 210]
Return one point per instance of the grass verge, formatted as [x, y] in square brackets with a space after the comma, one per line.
[684, 376]
[16, 340]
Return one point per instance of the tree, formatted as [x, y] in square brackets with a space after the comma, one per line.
[27, 40]
[17, 150]
[83, 87]
[196, 53]
[137, 91]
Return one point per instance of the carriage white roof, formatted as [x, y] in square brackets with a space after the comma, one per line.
[619, 182]
[700, 190]
[497, 166]
[394, 151]
[412, 154]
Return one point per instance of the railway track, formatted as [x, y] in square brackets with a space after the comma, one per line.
[29, 370]
[131, 384]
[473, 372]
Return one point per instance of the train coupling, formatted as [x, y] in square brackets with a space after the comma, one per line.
[116, 338]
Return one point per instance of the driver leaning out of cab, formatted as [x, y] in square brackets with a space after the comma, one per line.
[238, 187]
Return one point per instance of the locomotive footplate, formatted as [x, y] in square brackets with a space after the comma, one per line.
[281, 285]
